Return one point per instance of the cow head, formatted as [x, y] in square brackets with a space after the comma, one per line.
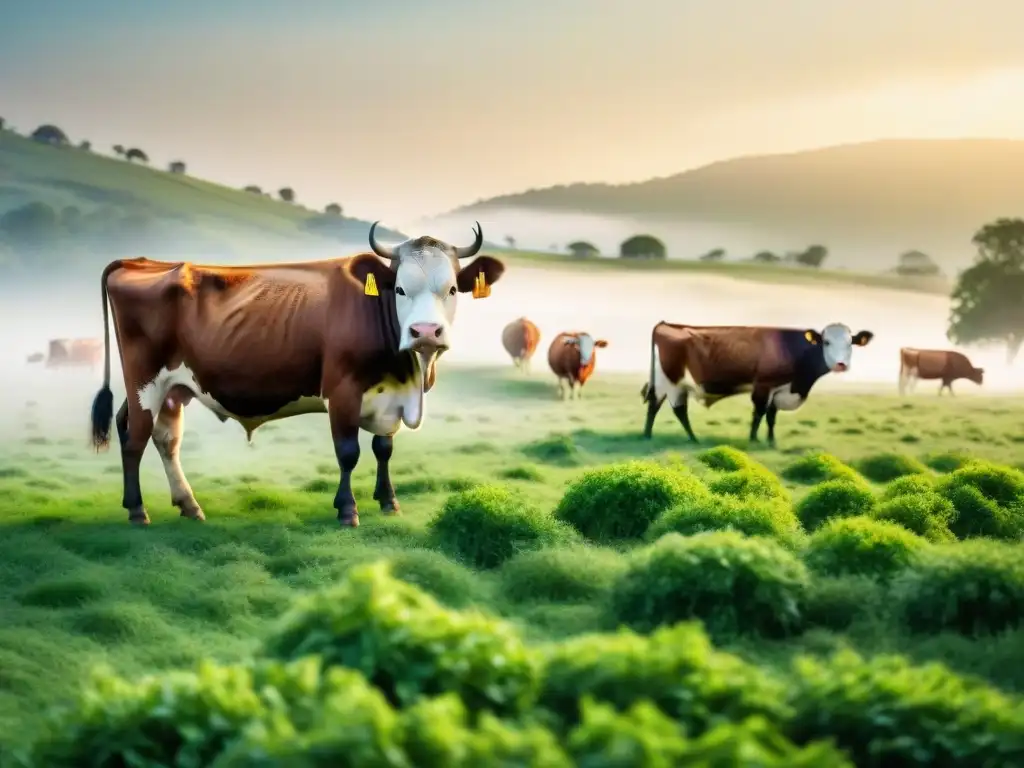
[977, 375]
[837, 343]
[587, 344]
[427, 275]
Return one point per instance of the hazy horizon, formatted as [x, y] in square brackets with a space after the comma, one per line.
[346, 102]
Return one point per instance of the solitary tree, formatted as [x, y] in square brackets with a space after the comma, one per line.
[988, 298]
[136, 154]
[118, 150]
[332, 209]
[85, 146]
[50, 134]
[716, 254]
[176, 166]
[287, 194]
[813, 256]
[511, 241]
[582, 249]
[254, 189]
[916, 263]
[642, 247]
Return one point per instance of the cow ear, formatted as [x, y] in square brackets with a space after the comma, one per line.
[812, 336]
[488, 266]
[601, 343]
[366, 265]
[862, 338]
[981, 371]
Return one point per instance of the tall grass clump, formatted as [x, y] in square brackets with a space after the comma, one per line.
[619, 501]
[947, 461]
[908, 485]
[564, 574]
[733, 583]
[486, 525]
[863, 547]
[817, 467]
[972, 588]
[925, 514]
[725, 458]
[832, 499]
[989, 501]
[753, 517]
[884, 467]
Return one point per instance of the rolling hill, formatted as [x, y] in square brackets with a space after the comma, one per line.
[871, 200]
[97, 206]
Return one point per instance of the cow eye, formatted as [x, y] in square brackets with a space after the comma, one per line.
[400, 291]
[451, 291]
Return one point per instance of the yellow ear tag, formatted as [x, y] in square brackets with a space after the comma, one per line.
[370, 288]
[807, 334]
[481, 290]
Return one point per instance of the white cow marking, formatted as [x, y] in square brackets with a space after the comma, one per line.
[392, 403]
[785, 399]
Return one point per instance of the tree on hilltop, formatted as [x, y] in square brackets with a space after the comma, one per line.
[716, 254]
[118, 150]
[253, 189]
[988, 298]
[917, 263]
[176, 166]
[767, 257]
[85, 146]
[287, 194]
[136, 154]
[812, 256]
[332, 209]
[582, 249]
[642, 247]
[50, 134]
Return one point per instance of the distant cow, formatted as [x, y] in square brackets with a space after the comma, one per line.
[520, 339]
[778, 366]
[572, 357]
[70, 352]
[357, 338]
[943, 364]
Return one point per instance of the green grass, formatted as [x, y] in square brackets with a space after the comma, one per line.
[79, 586]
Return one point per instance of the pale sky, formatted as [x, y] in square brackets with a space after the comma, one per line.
[403, 108]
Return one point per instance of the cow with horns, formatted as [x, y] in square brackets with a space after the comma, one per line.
[357, 338]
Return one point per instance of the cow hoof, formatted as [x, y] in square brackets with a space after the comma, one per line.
[193, 513]
[349, 519]
[138, 516]
[390, 508]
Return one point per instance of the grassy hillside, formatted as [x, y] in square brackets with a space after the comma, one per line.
[928, 194]
[149, 208]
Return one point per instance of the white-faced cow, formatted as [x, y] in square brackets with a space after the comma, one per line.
[777, 366]
[357, 338]
[572, 357]
[943, 364]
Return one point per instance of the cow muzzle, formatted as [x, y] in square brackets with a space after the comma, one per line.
[428, 340]
[840, 367]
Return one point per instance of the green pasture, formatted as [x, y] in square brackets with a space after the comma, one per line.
[80, 587]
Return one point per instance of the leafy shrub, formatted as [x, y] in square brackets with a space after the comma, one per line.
[947, 461]
[836, 602]
[883, 711]
[406, 644]
[725, 458]
[619, 501]
[676, 668]
[719, 513]
[862, 546]
[909, 484]
[563, 574]
[831, 499]
[749, 484]
[733, 583]
[973, 587]
[926, 514]
[817, 467]
[1003, 485]
[977, 516]
[883, 467]
[486, 525]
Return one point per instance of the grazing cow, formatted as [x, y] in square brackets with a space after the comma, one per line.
[944, 364]
[70, 352]
[520, 339]
[778, 366]
[357, 338]
[572, 357]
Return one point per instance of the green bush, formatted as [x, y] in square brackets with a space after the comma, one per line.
[885, 712]
[817, 467]
[618, 501]
[406, 644]
[733, 583]
[836, 602]
[989, 501]
[749, 484]
[725, 458]
[862, 546]
[908, 484]
[883, 467]
[676, 668]
[563, 574]
[973, 587]
[720, 513]
[948, 461]
[1003, 485]
[832, 499]
[926, 514]
[486, 525]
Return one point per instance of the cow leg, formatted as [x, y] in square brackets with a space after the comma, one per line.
[343, 410]
[167, 432]
[654, 404]
[769, 416]
[561, 388]
[384, 492]
[579, 391]
[682, 412]
[134, 428]
[760, 401]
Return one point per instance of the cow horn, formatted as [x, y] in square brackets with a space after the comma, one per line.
[464, 252]
[381, 250]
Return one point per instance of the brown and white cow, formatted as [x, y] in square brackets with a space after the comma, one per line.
[944, 364]
[64, 353]
[520, 339]
[572, 357]
[778, 366]
[357, 338]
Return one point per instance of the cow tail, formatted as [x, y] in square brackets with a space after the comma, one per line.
[647, 391]
[103, 403]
